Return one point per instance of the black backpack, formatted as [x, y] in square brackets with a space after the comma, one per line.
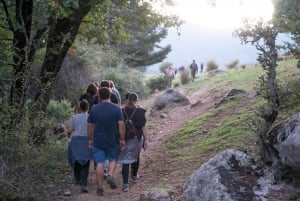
[130, 130]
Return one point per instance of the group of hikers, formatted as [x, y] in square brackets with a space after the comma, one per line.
[170, 73]
[97, 134]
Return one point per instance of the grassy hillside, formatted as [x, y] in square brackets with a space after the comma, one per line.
[227, 126]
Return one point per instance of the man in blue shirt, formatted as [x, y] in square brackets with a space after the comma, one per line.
[106, 131]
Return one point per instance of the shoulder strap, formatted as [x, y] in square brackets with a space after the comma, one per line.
[129, 118]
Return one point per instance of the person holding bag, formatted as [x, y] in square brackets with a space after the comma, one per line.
[134, 143]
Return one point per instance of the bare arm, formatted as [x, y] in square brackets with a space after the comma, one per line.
[90, 134]
[69, 131]
[145, 135]
[122, 134]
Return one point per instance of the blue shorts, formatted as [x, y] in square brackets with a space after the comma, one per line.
[102, 154]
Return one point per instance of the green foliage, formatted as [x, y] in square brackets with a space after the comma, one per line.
[25, 169]
[126, 80]
[163, 66]
[232, 64]
[157, 83]
[211, 65]
[184, 77]
[59, 110]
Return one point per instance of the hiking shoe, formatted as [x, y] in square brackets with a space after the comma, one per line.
[84, 189]
[111, 182]
[125, 187]
[100, 192]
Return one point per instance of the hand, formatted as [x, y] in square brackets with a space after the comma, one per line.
[145, 145]
[90, 143]
[123, 145]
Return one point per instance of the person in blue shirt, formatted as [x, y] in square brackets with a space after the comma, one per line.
[106, 131]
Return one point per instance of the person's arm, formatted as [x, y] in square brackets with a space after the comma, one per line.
[145, 135]
[90, 134]
[122, 134]
[69, 131]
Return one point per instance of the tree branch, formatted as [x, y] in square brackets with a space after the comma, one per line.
[9, 22]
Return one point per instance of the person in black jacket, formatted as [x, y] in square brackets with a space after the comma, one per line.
[130, 156]
[90, 95]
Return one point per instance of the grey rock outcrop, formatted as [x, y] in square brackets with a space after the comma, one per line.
[286, 141]
[169, 97]
[230, 95]
[155, 195]
[230, 176]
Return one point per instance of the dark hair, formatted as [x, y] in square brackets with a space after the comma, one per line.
[104, 83]
[84, 105]
[92, 89]
[104, 93]
[132, 98]
[126, 96]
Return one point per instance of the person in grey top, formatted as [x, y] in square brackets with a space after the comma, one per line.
[79, 153]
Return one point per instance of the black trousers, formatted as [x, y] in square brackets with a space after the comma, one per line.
[81, 173]
[134, 170]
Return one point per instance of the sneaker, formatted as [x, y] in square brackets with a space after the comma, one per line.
[135, 178]
[84, 189]
[111, 182]
[125, 187]
[100, 192]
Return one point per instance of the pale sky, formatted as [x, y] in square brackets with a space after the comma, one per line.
[225, 14]
[207, 33]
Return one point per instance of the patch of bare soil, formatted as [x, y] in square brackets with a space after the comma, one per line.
[154, 167]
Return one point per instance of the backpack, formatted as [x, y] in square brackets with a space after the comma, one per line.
[130, 130]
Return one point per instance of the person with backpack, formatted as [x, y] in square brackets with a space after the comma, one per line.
[194, 69]
[134, 142]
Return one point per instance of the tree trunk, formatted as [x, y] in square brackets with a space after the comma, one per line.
[21, 42]
[62, 34]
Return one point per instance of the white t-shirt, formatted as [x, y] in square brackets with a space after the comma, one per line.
[79, 124]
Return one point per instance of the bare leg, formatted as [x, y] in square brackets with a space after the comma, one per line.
[100, 174]
[112, 167]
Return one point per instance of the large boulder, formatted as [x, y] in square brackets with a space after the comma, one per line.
[286, 140]
[170, 97]
[230, 175]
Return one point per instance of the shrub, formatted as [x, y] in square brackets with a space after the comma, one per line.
[243, 66]
[232, 64]
[126, 80]
[159, 83]
[211, 65]
[59, 111]
[164, 66]
[184, 77]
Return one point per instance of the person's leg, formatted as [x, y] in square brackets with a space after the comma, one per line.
[76, 170]
[112, 155]
[135, 167]
[125, 175]
[84, 173]
[100, 174]
[99, 156]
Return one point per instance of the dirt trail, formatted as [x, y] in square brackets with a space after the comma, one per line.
[158, 134]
